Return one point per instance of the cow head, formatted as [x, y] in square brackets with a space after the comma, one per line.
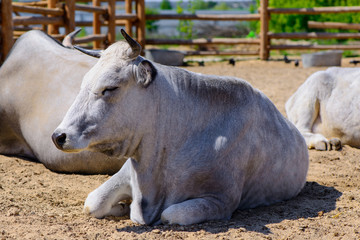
[108, 113]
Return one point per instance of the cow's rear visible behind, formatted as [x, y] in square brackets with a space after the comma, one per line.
[325, 108]
[38, 82]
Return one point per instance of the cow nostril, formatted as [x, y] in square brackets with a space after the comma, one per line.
[59, 140]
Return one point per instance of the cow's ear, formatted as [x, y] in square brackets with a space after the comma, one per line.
[146, 73]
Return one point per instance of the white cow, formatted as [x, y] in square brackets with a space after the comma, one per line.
[201, 146]
[38, 82]
[326, 108]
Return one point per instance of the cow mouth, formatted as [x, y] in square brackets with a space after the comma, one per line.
[109, 152]
[109, 149]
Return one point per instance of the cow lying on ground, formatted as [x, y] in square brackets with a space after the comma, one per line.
[201, 146]
[38, 82]
[325, 108]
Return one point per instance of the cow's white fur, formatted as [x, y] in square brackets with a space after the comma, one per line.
[200, 146]
[38, 82]
[325, 108]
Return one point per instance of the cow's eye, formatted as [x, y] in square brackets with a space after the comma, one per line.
[108, 89]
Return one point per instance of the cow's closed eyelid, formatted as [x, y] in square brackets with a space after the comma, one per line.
[108, 89]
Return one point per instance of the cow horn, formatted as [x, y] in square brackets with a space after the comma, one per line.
[93, 53]
[135, 46]
[69, 39]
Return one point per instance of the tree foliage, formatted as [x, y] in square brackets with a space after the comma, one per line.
[298, 22]
[222, 6]
[185, 27]
[165, 5]
[151, 25]
[201, 4]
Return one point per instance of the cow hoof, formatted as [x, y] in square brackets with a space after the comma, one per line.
[332, 144]
[321, 146]
[335, 144]
[119, 210]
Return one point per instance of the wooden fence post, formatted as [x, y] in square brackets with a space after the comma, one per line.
[6, 28]
[69, 16]
[128, 24]
[112, 18]
[140, 31]
[96, 24]
[52, 29]
[264, 29]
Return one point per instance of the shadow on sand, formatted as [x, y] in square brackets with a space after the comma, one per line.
[313, 200]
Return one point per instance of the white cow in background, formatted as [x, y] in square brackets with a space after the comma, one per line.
[326, 108]
[200, 146]
[38, 82]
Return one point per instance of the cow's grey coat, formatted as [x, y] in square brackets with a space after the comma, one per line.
[201, 146]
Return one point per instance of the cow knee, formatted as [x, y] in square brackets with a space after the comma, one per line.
[174, 215]
[100, 205]
[195, 211]
[96, 206]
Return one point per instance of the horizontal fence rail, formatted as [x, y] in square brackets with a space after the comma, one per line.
[207, 17]
[50, 15]
[334, 25]
[266, 44]
[221, 53]
[37, 10]
[34, 20]
[92, 9]
[314, 47]
[203, 41]
[315, 10]
[313, 35]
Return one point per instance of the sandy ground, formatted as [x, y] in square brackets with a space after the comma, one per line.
[36, 203]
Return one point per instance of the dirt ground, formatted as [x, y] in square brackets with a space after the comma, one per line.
[36, 203]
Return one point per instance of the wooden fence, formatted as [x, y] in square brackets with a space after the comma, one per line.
[312, 35]
[54, 14]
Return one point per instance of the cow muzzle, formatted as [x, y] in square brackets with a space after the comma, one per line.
[59, 140]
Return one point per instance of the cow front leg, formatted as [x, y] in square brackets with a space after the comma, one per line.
[195, 211]
[319, 142]
[105, 200]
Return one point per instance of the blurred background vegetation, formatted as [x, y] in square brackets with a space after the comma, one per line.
[298, 23]
[278, 23]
